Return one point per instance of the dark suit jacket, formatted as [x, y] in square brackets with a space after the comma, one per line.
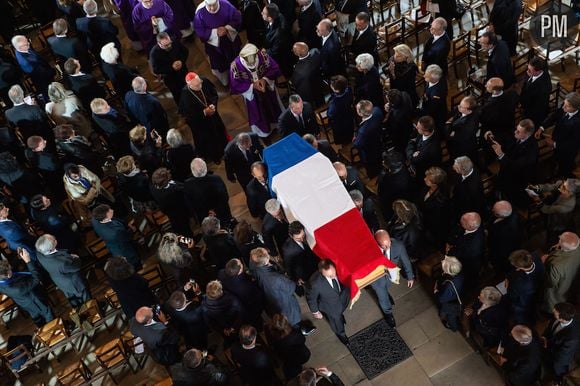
[190, 324]
[393, 186]
[64, 270]
[118, 238]
[161, 63]
[288, 124]
[518, 167]
[504, 237]
[523, 293]
[462, 136]
[368, 141]
[221, 247]
[256, 196]
[399, 123]
[98, 31]
[307, 22]
[256, 367]
[468, 195]
[27, 291]
[429, 153]
[498, 115]
[277, 41]
[332, 60]
[247, 291]
[148, 111]
[121, 76]
[275, 233]
[369, 214]
[326, 149]
[71, 47]
[524, 363]
[31, 120]
[322, 297]
[306, 78]
[237, 166]
[562, 346]
[398, 255]
[436, 53]
[499, 64]
[535, 98]
[435, 103]
[469, 250]
[205, 193]
[566, 136]
[365, 44]
[85, 86]
[299, 263]
[352, 182]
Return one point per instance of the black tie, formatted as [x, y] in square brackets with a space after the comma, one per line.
[335, 285]
[301, 121]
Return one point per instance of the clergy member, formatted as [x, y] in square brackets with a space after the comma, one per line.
[253, 74]
[198, 105]
[217, 23]
[149, 18]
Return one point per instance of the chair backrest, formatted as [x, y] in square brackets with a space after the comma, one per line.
[520, 62]
[154, 276]
[460, 46]
[75, 375]
[110, 354]
[16, 359]
[112, 299]
[6, 303]
[52, 333]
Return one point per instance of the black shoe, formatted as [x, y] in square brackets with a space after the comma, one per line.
[307, 330]
[391, 320]
[343, 339]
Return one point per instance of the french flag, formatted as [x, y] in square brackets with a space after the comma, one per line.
[309, 190]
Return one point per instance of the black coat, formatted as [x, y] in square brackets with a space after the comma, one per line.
[207, 193]
[277, 43]
[523, 293]
[435, 103]
[291, 350]
[238, 166]
[255, 365]
[172, 202]
[504, 237]
[470, 251]
[78, 150]
[498, 115]
[320, 296]
[85, 86]
[436, 211]
[499, 64]
[504, 17]
[517, 169]
[116, 127]
[306, 78]
[326, 149]
[352, 181]
[562, 346]
[65, 47]
[98, 31]
[121, 76]
[462, 136]
[399, 123]
[468, 195]
[307, 22]
[190, 324]
[178, 160]
[368, 142]
[436, 52]
[247, 292]
[392, 186]
[136, 187]
[275, 233]
[161, 340]
[567, 138]
[58, 225]
[524, 363]
[206, 374]
[221, 247]
[287, 123]
[148, 111]
[490, 323]
[429, 153]
[65, 271]
[118, 239]
[535, 98]
[256, 196]
[368, 86]
[332, 59]
[161, 64]
[365, 44]
[404, 80]
[223, 313]
[30, 120]
[300, 263]
[133, 293]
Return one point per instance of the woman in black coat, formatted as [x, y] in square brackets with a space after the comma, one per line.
[435, 207]
[178, 156]
[448, 291]
[402, 71]
[407, 227]
[77, 149]
[246, 239]
[147, 151]
[220, 244]
[340, 110]
[488, 317]
[289, 345]
[222, 311]
[368, 81]
[131, 288]
[134, 184]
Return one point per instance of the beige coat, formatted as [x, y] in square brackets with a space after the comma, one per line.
[561, 270]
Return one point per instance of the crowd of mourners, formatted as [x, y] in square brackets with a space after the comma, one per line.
[84, 146]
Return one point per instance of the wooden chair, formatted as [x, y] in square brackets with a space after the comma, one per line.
[460, 50]
[474, 43]
[415, 22]
[18, 360]
[89, 317]
[488, 187]
[323, 121]
[520, 63]
[160, 220]
[165, 382]
[76, 374]
[7, 307]
[136, 350]
[44, 33]
[53, 336]
[156, 279]
[389, 34]
[111, 356]
[576, 84]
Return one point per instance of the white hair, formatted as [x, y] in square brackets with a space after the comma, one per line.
[16, 94]
[90, 7]
[365, 61]
[464, 165]
[45, 244]
[139, 84]
[109, 53]
[17, 39]
[174, 138]
[435, 70]
[272, 206]
[198, 167]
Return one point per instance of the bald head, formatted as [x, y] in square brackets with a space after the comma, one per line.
[502, 209]
[324, 27]
[144, 315]
[470, 221]
[300, 49]
[340, 169]
[383, 239]
[494, 85]
[569, 241]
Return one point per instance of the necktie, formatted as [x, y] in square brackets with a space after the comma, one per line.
[568, 116]
[301, 121]
[335, 285]
[245, 153]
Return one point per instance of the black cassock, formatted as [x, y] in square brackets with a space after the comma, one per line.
[209, 133]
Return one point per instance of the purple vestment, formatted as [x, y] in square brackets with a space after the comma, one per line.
[264, 108]
[142, 21]
[221, 50]
[126, 12]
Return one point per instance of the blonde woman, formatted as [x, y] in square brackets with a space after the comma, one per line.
[406, 226]
[402, 71]
[448, 290]
[488, 317]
